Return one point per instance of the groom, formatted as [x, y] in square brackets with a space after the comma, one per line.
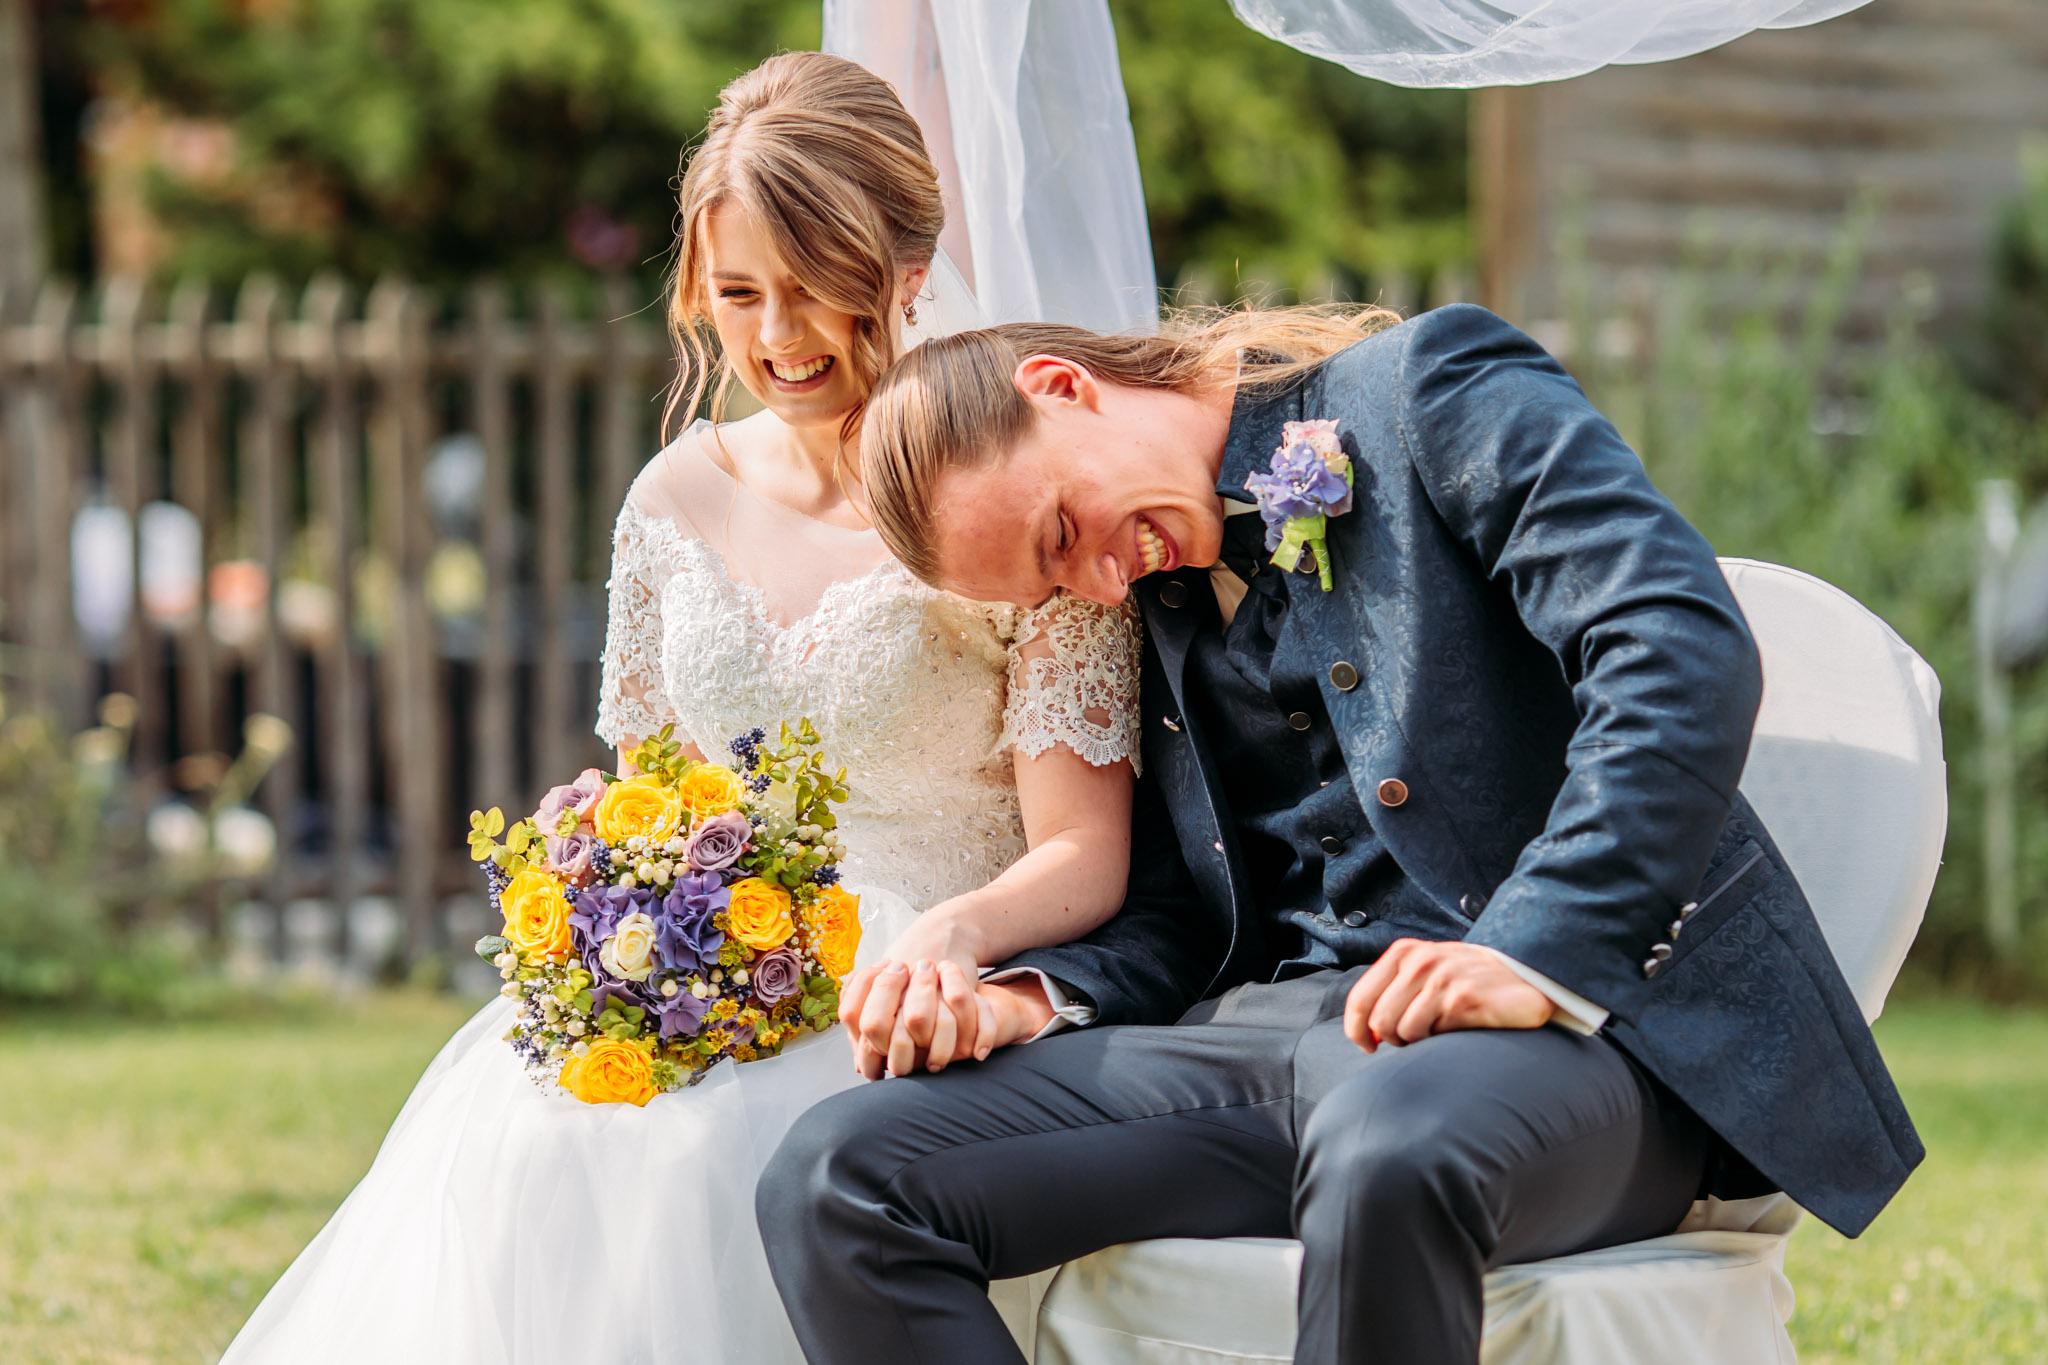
[1449, 942]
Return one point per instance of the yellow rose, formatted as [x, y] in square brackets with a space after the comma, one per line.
[637, 805]
[759, 914]
[536, 914]
[838, 930]
[710, 789]
[612, 1072]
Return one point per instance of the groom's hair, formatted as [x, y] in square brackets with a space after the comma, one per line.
[832, 166]
[953, 403]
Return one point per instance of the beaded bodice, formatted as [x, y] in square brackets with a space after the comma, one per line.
[922, 695]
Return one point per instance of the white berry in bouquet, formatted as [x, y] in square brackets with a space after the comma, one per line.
[657, 923]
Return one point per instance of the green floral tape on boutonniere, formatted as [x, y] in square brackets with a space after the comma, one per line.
[1309, 482]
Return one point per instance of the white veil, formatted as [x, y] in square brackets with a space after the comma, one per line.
[1022, 106]
[1515, 42]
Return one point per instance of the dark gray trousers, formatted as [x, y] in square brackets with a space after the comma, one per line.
[1406, 1174]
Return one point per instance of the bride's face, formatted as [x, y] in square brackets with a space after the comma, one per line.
[788, 348]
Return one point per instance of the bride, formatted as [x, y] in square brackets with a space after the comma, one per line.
[990, 751]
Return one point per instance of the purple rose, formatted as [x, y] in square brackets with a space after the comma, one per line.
[733, 1033]
[686, 935]
[580, 796]
[680, 1013]
[776, 976]
[716, 843]
[570, 855]
[1301, 484]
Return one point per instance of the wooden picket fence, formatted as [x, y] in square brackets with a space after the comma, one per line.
[396, 514]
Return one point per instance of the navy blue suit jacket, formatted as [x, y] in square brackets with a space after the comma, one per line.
[1552, 664]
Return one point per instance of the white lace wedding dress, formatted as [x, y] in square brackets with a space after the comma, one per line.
[504, 1225]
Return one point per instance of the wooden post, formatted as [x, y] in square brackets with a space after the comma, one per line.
[490, 399]
[334, 487]
[17, 485]
[23, 244]
[197, 449]
[413, 701]
[1998, 521]
[554, 524]
[131, 483]
[266, 458]
[1505, 205]
[55, 420]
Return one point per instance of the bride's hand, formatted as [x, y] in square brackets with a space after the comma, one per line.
[901, 1018]
[944, 939]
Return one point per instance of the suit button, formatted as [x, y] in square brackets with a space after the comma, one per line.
[1661, 952]
[1332, 845]
[1356, 919]
[1343, 676]
[1651, 966]
[1392, 791]
[1471, 905]
[1677, 927]
[1173, 593]
[1170, 723]
[1300, 720]
[1688, 910]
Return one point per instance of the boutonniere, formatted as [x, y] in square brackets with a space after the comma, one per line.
[1309, 482]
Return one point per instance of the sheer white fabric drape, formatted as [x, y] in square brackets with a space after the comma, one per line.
[1022, 104]
[1515, 42]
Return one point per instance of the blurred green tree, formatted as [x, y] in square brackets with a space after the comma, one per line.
[436, 137]
[1273, 173]
[447, 137]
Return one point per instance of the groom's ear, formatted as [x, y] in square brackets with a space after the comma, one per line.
[1058, 382]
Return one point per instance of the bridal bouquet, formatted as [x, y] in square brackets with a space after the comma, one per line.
[659, 922]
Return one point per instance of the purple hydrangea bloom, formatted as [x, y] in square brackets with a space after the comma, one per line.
[680, 1013]
[1300, 485]
[597, 913]
[776, 976]
[608, 989]
[686, 937]
[717, 842]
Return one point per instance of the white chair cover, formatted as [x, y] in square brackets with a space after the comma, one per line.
[1846, 771]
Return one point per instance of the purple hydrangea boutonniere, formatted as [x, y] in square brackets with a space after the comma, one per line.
[1309, 482]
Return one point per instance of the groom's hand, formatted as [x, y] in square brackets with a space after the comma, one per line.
[1418, 988]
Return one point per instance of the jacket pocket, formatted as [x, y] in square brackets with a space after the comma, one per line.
[1729, 888]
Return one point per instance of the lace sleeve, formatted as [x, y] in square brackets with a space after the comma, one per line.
[1074, 681]
[631, 703]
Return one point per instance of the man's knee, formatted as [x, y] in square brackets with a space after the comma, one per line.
[822, 1163]
[1384, 1145]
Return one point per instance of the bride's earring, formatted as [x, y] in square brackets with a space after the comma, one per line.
[910, 314]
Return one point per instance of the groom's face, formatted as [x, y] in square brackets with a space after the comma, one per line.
[1103, 490]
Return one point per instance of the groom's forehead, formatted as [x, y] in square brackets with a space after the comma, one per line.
[990, 526]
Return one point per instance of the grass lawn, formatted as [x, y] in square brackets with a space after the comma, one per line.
[154, 1182]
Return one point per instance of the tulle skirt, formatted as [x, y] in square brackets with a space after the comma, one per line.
[502, 1224]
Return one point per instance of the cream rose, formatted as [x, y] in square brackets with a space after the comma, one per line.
[629, 953]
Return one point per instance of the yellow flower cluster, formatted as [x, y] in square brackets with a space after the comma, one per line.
[836, 929]
[758, 914]
[536, 914]
[638, 806]
[610, 1072]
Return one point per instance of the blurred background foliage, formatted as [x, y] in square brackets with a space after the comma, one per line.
[444, 139]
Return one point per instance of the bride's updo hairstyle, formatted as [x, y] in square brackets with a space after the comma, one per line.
[825, 157]
[953, 403]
